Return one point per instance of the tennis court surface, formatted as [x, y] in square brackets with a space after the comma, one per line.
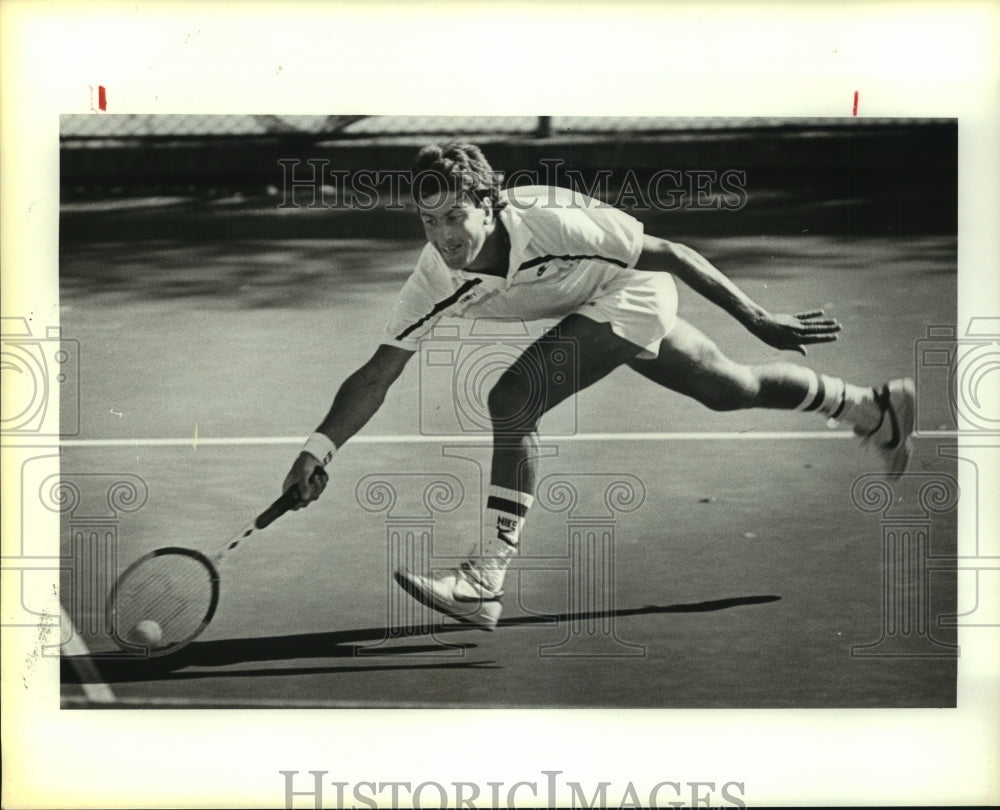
[676, 557]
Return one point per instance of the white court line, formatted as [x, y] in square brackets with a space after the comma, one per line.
[94, 689]
[480, 438]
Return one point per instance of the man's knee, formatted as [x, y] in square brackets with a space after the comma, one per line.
[724, 401]
[733, 390]
[516, 401]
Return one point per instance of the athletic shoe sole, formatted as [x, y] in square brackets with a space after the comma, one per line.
[483, 614]
[897, 400]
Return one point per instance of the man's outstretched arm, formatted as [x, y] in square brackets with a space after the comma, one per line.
[791, 332]
[357, 400]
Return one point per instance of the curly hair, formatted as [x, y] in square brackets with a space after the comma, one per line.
[456, 166]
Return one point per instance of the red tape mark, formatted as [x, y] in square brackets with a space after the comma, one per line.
[854, 111]
[102, 100]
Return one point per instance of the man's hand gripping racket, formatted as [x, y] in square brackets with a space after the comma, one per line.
[166, 598]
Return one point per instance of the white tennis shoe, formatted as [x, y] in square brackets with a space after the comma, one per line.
[893, 438]
[458, 593]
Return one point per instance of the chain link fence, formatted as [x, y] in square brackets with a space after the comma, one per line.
[233, 169]
[90, 129]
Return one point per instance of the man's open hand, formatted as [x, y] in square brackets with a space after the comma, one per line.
[795, 332]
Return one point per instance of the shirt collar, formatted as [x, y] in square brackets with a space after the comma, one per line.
[518, 234]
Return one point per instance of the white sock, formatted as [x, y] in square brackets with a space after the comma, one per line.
[838, 400]
[502, 522]
[505, 513]
[862, 410]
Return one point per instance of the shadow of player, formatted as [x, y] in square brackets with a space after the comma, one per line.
[350, 644]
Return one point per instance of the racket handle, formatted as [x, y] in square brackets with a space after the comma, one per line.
[289, 498]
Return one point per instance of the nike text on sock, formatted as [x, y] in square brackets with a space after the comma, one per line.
[505, 513]
[502, 521]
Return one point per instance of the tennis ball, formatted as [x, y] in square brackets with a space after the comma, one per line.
[147, 633]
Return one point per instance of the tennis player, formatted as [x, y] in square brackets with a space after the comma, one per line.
[546, 253]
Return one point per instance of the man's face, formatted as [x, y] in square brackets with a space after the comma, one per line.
[456, 226]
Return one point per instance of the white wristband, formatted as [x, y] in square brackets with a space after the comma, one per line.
[320, 447]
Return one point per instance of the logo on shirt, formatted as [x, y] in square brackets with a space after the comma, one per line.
[541, 270]
[466, 298]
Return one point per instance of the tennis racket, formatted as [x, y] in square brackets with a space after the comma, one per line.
[178, 588]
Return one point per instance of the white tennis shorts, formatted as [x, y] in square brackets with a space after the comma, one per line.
[641, 307]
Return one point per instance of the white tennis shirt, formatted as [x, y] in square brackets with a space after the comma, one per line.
[565, 249]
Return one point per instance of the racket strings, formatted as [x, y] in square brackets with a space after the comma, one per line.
[174, 590]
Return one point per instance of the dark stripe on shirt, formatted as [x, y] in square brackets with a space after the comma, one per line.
[542, 259]
[440, 306]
